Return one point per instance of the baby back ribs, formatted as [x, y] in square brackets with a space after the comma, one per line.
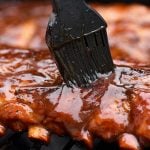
[34, 97]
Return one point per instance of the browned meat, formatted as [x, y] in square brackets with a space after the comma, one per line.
[24, 24]
[33, 96]
[128, 28]
[128, 33]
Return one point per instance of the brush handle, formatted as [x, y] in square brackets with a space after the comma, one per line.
[59, 5]
[71, 19]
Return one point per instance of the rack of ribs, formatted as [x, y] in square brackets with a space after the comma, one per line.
[33, 96]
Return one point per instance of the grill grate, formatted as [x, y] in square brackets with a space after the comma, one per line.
[20, 141]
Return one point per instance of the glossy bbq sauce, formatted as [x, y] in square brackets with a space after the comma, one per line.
[32, 93]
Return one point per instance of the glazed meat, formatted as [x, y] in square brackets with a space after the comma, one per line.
[34, 97]
[127, 33]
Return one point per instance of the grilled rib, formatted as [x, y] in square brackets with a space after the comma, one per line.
[33, 96]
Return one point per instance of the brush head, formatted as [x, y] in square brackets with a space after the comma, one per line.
[76, 35]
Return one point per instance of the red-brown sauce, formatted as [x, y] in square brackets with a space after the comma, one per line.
[32, 93]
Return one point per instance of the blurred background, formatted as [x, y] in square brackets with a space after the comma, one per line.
[104, 1]
[128, 25]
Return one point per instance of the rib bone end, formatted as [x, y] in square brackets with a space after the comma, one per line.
[39, 133]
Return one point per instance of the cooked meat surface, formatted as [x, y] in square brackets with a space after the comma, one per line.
[32, 94]
[128, 29]
[128, 33]
[34, 97]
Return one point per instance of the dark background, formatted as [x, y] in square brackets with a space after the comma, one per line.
[147, 2]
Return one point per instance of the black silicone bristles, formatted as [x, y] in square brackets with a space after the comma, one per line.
[76, 35]
[81, 60]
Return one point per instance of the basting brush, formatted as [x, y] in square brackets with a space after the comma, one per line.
[76, 35]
